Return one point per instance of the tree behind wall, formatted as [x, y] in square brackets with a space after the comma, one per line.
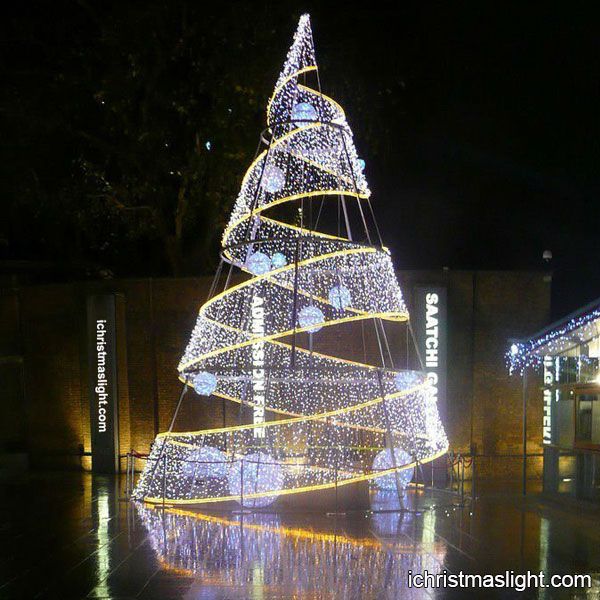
[107, 109]
[127, 140]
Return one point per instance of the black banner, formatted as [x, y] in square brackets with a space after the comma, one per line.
[429, 317]
[103, 384]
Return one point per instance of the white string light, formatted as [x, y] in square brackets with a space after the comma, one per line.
[531, 353]
[332, 415]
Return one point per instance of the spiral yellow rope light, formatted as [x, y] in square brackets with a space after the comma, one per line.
[245, 345]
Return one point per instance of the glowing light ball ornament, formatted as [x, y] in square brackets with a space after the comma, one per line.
[339, 296]
[258, 263]
[273, 179]
[361, 164]
[303, 111]
[259, 473]
[278, 260]
[408, 379]
[383, 461]
[312, 318]
[205, 462]
[205, 383]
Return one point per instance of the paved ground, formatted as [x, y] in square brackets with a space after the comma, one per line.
[71, 536]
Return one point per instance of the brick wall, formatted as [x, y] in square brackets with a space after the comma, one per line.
[57, 414]
[485, 309]
[13, 419]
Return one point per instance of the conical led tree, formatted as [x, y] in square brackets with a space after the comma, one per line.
[307, 408]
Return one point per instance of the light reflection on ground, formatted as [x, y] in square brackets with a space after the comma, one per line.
[74, 535]
[331, 557]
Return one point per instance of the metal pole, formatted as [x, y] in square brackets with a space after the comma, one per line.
[473, 477]
[525, 432]
[297, 258]
[164, 446]
[183, 393]
[462, 478]
[127, 476]
[348, 230]
[164, 480]
[242, 485]
[336, 479]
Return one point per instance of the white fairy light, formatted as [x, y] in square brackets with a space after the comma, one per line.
[408, 379]
[204, 463]
[255, 474]
[530, 353]
[322, 402]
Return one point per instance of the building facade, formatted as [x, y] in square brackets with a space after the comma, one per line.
[567, 353]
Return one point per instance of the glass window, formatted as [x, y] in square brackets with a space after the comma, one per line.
[588, 369]
[594, 347]
[564, 420]
[588, 419]
[566, 369]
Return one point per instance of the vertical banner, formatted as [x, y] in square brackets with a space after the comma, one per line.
[429, 317]
[258, 365]
[103, 384]
[547, 396]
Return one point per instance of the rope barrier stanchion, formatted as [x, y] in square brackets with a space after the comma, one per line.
[129, 476]
[473, 477]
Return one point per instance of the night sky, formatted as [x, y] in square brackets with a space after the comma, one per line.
[479, 124]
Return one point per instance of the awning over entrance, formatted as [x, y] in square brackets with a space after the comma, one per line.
[579, 330]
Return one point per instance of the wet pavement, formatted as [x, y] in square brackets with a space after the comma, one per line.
[73, 536]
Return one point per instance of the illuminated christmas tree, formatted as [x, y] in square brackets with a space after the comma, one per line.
[308, 420]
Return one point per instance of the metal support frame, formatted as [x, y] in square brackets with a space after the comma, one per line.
[524, 482]
[382, 340]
